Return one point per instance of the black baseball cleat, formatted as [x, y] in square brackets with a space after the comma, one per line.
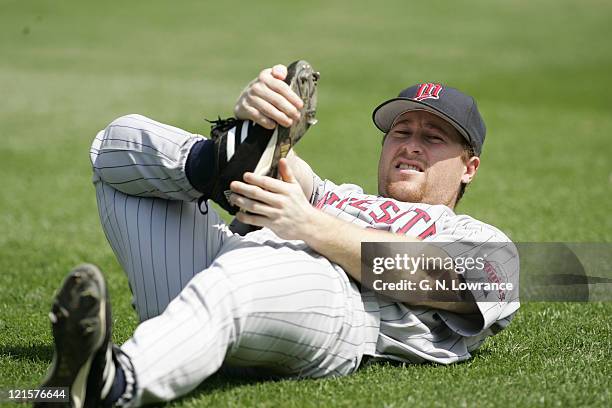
[81, 324]
[243, 146]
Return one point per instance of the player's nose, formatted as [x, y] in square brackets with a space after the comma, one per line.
[413, 145]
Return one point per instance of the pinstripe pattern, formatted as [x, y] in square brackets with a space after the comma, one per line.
[141, 157]
[155, 241]
[207, 298]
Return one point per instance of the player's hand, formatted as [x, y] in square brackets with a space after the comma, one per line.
[276, 204]
[268, 100]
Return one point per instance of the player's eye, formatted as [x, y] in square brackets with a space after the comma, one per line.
[435, 139]
[401, 133]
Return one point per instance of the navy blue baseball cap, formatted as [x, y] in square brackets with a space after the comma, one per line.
[448, 103]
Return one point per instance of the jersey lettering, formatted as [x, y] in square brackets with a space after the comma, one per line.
[420, 215]
[359, 204]
[341, 203]
[373, 211]
[386, 216]
[431, 230]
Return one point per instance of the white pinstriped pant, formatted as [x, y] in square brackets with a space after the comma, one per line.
[209, 298]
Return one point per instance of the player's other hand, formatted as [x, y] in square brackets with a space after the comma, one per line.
[276, 204]
[268, 100]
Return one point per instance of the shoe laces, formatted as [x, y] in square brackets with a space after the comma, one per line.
[220, 126]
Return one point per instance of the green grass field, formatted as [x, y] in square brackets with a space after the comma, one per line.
[539, 69]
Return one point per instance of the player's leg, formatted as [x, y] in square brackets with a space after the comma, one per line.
[270, 307]
[160, 244]
[276, 309]
[141, 157]
[148, 209]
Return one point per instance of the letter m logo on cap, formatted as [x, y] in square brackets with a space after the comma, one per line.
[428, 91]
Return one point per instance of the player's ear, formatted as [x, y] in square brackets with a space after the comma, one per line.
[471, 167]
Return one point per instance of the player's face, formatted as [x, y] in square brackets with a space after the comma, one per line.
[422, 160]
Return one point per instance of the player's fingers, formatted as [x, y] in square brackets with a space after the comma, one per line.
[269, 110]
[259, 118]
[282, 88]
[245, 112]
[267, 183]
[276, 99]
[252, 206]
[285, 171]
[252, 219]
[254, 192]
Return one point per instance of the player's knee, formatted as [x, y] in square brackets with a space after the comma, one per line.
[113, 138]
[122, 124]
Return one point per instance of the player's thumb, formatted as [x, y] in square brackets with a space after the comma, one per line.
[285, 171]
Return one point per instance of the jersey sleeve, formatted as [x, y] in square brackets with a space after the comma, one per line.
[318, 189]
[492, 277]
[322, 188]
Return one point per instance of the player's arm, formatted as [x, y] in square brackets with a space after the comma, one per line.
[268, 100]
[280, 206]
[345, 250]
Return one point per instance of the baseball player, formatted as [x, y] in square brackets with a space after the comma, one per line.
[287, 299]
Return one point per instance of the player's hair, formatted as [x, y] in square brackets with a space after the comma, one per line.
[468, 153]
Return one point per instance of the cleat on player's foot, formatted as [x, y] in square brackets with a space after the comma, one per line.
[242, 146]
[81, 324]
